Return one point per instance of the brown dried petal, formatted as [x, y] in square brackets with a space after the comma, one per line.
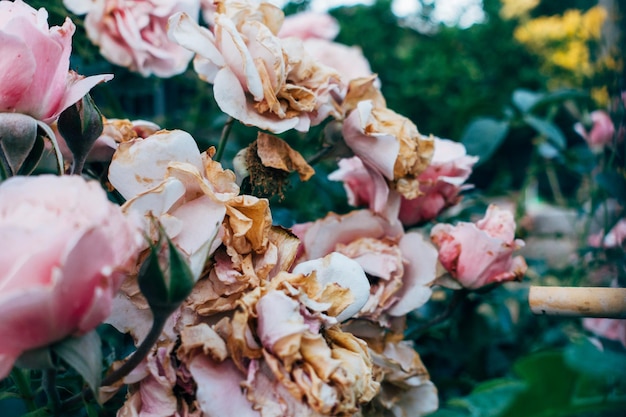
[276, 153]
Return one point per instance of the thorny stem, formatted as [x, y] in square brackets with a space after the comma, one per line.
[49, 386]
[223, 139]
[458, 296]
[23, 386]
[139, 355]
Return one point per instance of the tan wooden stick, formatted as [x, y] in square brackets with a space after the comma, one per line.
[578, 301]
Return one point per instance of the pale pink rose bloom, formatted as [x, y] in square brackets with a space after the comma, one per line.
[348, 61]
[308, 25]
[258, 78]
[615, 237]
[612, 329]
[601, 132]
[478, 254]
[66, 250]
[34, 69]
[317, 30]
[440, 183]
[166, 176]
[402, 265]
[133, 34]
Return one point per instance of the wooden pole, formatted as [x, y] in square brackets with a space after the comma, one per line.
[578, 301]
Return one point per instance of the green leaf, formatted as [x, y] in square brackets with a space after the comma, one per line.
[525, 100]
[548, 129]
[84, 354]
[554, 388]
[586, 358]
[490, 398]
[560, 96]
[614, 184]
[483, 137]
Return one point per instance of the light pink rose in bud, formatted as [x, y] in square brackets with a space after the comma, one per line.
[65, 251]
[307, 25]
[34, 69]
[479, 254]
[601, 132]
[133, 33]
[440, 183]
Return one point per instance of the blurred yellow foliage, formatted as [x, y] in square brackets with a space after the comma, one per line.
[516, 8]
[563, 40]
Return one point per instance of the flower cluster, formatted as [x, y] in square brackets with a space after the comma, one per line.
[234, 314]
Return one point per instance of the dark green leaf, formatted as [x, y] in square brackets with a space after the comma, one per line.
[84, 354]
[483, 137]
[548, 129]
[491, 398]
[586, 358]
[614, 184]
[546, 150]
[525, 100]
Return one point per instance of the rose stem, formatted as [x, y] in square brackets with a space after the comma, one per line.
[139, 355]
[457, 297]
[223, 139]
[23, 386]
[49, 379]
[578, 301]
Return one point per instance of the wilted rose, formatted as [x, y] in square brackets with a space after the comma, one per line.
[389, 145]
[478, 254]
[66, 250]
[258, 78]
[34, 70]
[133, 34]
[166, 176]
[440, 184]
[317, 31]
[400, 266]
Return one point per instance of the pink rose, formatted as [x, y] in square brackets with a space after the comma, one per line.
[612, 329]
[133, 34]
[317, 30]
[65, 252]
[310, 25]
[34, 70]
[478, 254]
[615, 237]
[258, 78]
[440, 183]
[401, 266]
[601, 132]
